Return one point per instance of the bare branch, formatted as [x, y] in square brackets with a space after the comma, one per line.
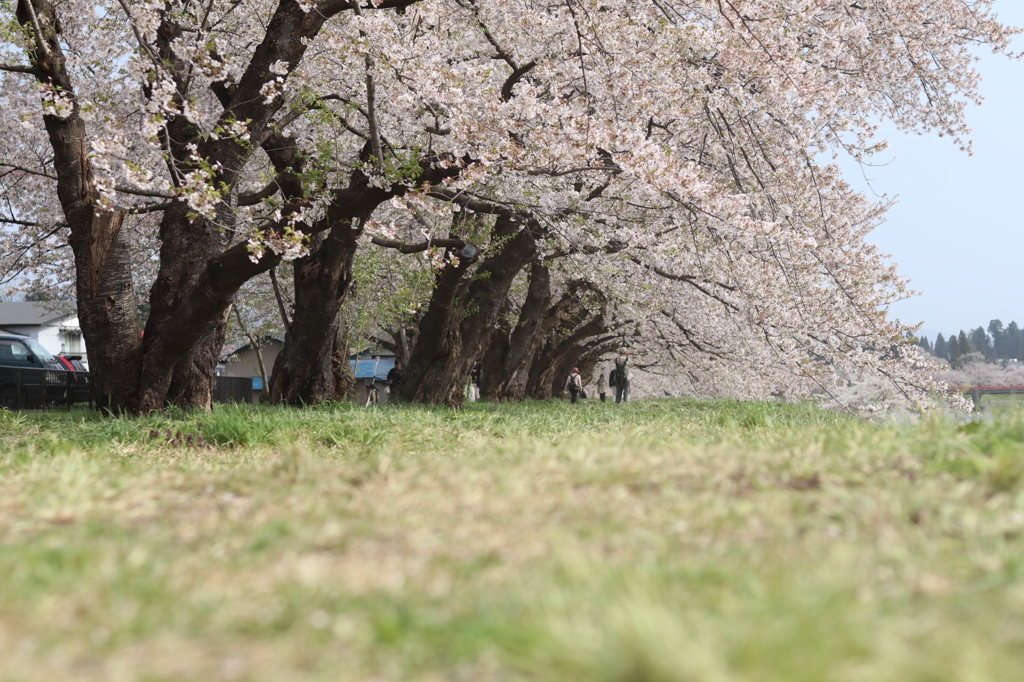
[402, 247]
[253, 198]
[40, 42]
[149, 208]
[371, 100]
[17, 68]
[28, 170]
[517, 75]
[570, 171]
[30, 223]
[125, 189]
[280, 300]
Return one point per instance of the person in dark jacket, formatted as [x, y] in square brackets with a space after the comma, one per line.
[622, 378]
[395, 377]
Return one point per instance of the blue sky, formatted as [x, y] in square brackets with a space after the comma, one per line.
[956, 231]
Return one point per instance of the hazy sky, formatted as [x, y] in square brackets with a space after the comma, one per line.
[956, 230]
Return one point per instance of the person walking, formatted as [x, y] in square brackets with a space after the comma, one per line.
[574, 384]
[622, 378]
[602, 386]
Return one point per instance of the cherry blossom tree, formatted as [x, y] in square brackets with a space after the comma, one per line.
[660, 159]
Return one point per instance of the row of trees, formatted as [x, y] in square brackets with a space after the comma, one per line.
[995, 344]
[533, 184]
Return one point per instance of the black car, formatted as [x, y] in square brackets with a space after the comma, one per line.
[30, 377]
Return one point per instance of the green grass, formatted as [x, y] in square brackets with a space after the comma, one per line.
[1002, 402]
[661, 541]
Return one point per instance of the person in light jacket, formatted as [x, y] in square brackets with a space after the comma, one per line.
[602, 386]
[574, 384]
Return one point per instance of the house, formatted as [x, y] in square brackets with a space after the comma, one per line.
[54, 325]
[242, 362]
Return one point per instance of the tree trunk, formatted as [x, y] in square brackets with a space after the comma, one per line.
[185, 248]
[460, 317]
[575, 336]
[507, 369]
[438, 341]
[549, 339]
[107, 309]
[305, 371]
[192, 381]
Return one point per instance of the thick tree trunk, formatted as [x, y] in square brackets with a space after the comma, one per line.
[185, 248]
[192, 381]
[556, 359]
[305, 371]
[460, 317]
[107, 309]
[507, 369]
[429, 374]
[574, 336]
[549, 339]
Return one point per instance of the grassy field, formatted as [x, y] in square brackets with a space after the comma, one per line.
[997, 402]
[660, 541]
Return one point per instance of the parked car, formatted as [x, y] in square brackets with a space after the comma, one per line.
[29, 375]
[72, 363]
[79, 379]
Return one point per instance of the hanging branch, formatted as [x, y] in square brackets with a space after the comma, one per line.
[280, 300]
[371, 99]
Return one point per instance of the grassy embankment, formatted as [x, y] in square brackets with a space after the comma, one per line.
[669, 540]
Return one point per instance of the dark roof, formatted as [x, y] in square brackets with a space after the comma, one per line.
[27, 314]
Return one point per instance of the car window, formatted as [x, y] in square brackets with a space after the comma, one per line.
[41, 353]
[13, 350]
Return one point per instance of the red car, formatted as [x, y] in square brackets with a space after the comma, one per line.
[72, 363]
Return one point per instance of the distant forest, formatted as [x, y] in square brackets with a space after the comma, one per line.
[997, 343]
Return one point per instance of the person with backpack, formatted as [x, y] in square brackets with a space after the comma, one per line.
[574, 384]
[622, 378]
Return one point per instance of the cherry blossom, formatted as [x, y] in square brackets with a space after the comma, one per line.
[673, 154]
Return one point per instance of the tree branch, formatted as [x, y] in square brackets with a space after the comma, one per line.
[371, 100]
[17, 68]
[149, 208]
[29, 223]
[402, 247]
[28, 170]
[517, 75]
[253, 198]
[125, 189]
[44, 50]
[280, 300]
